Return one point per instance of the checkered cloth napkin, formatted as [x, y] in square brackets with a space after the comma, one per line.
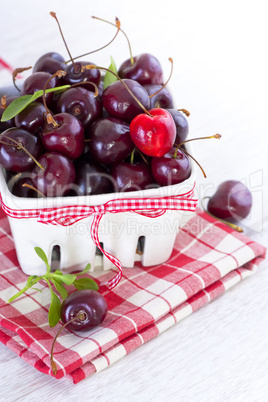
[208, 258]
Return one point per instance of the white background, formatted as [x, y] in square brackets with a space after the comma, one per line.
[219, 50]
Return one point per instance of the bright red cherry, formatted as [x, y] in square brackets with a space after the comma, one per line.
[153, 134]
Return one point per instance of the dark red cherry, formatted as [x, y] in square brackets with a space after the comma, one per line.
[110, 140]
[16, 185]
[32, 118]
[75, 75]
[153, 135]
[120, 104]
[91, 178]
[169, 170]
[81, 103]
[56, 177]
[50, 63]
[182, 125]
[163, 99]
[146, 70]
[90, 305]
[36, 82]
[67, 139]
[232, 201]
[100, 89]
[131, 177]
[12, 155]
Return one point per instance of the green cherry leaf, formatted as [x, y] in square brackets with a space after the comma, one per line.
[32, 280]
[60, 288]
[39, 290]
[41, 254]
[88, 266]
[29, 280]
[67, 279]
[22, 102]
[110, 78]
[58, 272]
[54, 310]
[85, 283]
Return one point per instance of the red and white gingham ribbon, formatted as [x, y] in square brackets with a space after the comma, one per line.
[68, 215]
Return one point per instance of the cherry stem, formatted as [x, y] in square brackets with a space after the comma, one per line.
[132, 157]
[123, 32]
[53, 14]
[96, 93]
[16, 72]
[187, 153]
[176, 152]
[34, 189]
[81, 315]
[164, 85]
[143, 157]
[20, 146]
[14, 179]
[217, 136]
[185, 111]
[230, 224]
[4, 102]
[49, 118]
[92, 66]
[117, 24]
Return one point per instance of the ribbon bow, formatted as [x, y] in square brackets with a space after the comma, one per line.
[68, 215]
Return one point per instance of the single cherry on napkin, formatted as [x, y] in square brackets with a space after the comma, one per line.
[83, 309]
[80, 311]
[232, 200]
[153, 133]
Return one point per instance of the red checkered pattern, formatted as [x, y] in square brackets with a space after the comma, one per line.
[68, 215]
[208, 258]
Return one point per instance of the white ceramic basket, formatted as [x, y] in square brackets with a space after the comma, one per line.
[119, 233]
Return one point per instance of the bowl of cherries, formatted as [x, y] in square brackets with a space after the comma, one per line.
[76, 136]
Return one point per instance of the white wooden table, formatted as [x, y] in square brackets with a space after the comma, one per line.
[219, 49]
